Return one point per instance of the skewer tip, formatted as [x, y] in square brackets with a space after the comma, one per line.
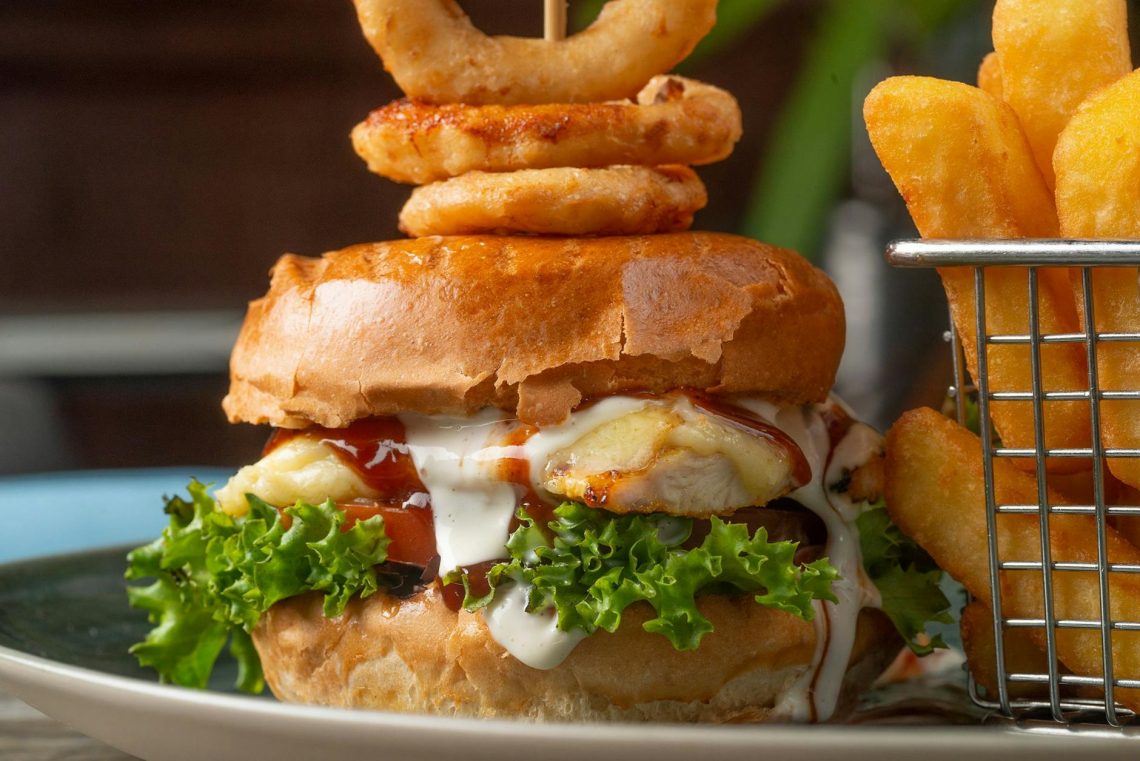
[554, 18]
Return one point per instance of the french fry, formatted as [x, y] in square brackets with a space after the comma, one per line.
[1054, 54]
[1073, 488]
[961, 163]
[1079, 489]
[1022, 656]
[1120, 493]
[989, 76]
[935, 493]
[1098, 196]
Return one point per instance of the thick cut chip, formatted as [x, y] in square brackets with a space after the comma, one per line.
[1098, 196]
[1054, 54]
[935, 493]
[1119, 493]
[1021, 656]
[989, 76]
[1080, 489]
[964, 169]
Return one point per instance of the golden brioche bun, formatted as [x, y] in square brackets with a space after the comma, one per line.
[416, 655]
[452, 324]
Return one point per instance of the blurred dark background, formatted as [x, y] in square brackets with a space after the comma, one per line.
[156, 156]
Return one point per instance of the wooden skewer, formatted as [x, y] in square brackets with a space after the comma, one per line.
[555, 20]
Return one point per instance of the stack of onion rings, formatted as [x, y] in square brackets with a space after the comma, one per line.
[494, 155]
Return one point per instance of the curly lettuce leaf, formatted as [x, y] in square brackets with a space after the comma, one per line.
[597, 564]
[907, 578]
[215, 575]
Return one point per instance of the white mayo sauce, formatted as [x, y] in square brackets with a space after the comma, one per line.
[471, 507]
[533, 638]
[816, 692]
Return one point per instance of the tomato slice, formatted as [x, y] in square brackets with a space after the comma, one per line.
[410, 529]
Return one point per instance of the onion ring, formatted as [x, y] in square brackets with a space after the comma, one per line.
[436, 54]
[675, 121]
[623, 200]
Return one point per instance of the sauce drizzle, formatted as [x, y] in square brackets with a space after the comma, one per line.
[745, 420]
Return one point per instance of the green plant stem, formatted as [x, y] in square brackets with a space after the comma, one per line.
[806, 159]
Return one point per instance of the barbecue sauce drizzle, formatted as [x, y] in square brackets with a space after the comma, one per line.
[745, 420]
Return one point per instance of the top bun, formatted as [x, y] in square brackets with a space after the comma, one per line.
[532, 325]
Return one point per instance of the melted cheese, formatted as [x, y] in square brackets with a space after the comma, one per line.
[300, 469]
[659, 455]
[540, 448]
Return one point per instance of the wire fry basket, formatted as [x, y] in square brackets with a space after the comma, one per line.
[1060, 705]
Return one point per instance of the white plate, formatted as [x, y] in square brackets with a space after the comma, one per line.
[69, 660]
[160, 723]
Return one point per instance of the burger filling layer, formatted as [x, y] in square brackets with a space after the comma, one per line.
[549, 533]
[624, 454]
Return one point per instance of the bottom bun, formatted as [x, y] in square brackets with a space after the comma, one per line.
[417, 655]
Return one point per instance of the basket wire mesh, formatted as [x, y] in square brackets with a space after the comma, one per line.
[1059, 705]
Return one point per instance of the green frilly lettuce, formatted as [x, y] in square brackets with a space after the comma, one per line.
[907, 578]
[598, 564]
[214, 576]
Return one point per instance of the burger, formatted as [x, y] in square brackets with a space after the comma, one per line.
[543, 475]
[557, 479]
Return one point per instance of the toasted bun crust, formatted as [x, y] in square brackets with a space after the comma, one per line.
[416, 655]
[452, 324]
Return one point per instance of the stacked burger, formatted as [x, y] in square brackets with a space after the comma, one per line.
[553, 457]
